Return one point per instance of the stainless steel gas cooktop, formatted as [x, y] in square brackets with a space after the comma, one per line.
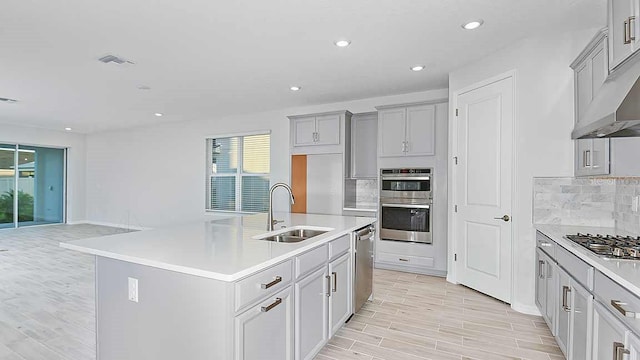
[610, 246]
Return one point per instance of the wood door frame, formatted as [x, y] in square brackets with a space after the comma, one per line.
[452, 244]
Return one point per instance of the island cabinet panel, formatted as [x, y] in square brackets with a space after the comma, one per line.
[311, 314]
[311, 260]
[608, 334]
[262, 284]
[339, 246]
[340, 271]
[265, 330]
[173, 312]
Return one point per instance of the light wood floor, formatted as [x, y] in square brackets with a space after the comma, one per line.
[47, 310]
[423, 317]
[47, 306]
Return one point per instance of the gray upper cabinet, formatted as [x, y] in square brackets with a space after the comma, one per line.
[407, 130]
[319, 133]
[623, 30]
[364, 140]
[590, 71]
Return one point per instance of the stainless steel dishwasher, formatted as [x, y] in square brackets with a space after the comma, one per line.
[363, 266]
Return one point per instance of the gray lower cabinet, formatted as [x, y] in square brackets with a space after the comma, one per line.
[311, 313]
[580, 320]
[633, 344]
[265, 330]
[563, 310]
[545, 288]
[608, 335]
[339, 302]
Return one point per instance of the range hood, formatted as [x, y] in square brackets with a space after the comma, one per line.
[615, 111]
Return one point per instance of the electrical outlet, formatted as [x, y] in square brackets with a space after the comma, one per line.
[133, 289]
[634, 203]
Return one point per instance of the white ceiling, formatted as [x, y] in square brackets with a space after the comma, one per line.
[205, 58]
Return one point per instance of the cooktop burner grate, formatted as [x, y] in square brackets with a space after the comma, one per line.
[610, 246]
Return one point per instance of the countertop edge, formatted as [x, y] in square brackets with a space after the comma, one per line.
[211, 274]
[590, 259]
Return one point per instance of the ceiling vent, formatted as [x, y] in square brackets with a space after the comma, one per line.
[7, 100]
[114, 59]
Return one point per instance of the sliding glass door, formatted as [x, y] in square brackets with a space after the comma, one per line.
[32, 189]
[7, 185]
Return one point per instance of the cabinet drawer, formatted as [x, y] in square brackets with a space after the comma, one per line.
[311, 260]
[339, 246]
[577, 268]
[607, 290]
[262, 284]
[405, 260]
[545, 244]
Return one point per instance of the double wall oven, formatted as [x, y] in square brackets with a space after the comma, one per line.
[405, 205]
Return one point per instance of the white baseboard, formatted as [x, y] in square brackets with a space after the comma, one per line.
[102, 223]
[410, 269]
[526, 309]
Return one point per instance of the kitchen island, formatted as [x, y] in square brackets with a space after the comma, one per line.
[214, 290]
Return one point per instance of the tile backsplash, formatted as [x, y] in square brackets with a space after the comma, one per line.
[587, 201]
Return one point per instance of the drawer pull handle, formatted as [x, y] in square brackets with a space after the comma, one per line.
[275, 281]
[545, 244]
[617, 304]
[275, 303]
[619, 351]
[541, 269]
[401, 259]
[335, 281]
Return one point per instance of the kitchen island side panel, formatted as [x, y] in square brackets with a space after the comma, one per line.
[171, 319]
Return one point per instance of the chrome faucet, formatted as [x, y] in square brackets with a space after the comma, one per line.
[270, 221]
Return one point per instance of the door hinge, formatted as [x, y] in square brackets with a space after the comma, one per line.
[455, 208]
[455, 257]
[456, 112]
[455, 160]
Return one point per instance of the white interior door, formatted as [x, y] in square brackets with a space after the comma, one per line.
[483, 179]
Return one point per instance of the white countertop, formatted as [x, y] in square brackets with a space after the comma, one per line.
[218, 249]
[624, 272]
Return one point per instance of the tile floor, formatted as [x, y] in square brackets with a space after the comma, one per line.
[47, 310]
[47, 294]
[423, 317]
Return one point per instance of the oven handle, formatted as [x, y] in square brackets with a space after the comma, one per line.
[407, 206]
[387, 178]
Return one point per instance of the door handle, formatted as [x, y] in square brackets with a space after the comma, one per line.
[540, 269]
[328, 285]
[335, 281]
[504, 218]
[632, 35]
[619, 351]
[587, 158]
[626, 32]
[565, 298]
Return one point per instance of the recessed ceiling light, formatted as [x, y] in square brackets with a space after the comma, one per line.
[68, 129]
[471, 25]
[342, 43]
[7, 100]
[601, 135]
[144, 87]
[158, 114]
[417, 68]
[295, 88]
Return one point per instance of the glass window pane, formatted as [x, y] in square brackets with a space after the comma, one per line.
[7, 184]
[256, 154]
[255, 193]
[224, 155]
[223, 193]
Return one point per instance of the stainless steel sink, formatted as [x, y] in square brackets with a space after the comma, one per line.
[294, 235]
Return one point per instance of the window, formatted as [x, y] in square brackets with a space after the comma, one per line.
[238, 173]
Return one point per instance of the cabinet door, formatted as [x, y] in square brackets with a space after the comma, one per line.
[633, 346]
[608, 333]
[563, 310]
[420, 133]
[581, 315]
[619, 13]
[600, 157]
[584, 87]
[266, 330]
[391, 132]
[341, 287]
[304, 131]
[541, 283]
[551, 278]
[364, 142]
[311, 314]
[584, 156]
[328, 130]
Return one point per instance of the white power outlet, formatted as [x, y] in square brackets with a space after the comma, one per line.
[133, 289]
[634, 203]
